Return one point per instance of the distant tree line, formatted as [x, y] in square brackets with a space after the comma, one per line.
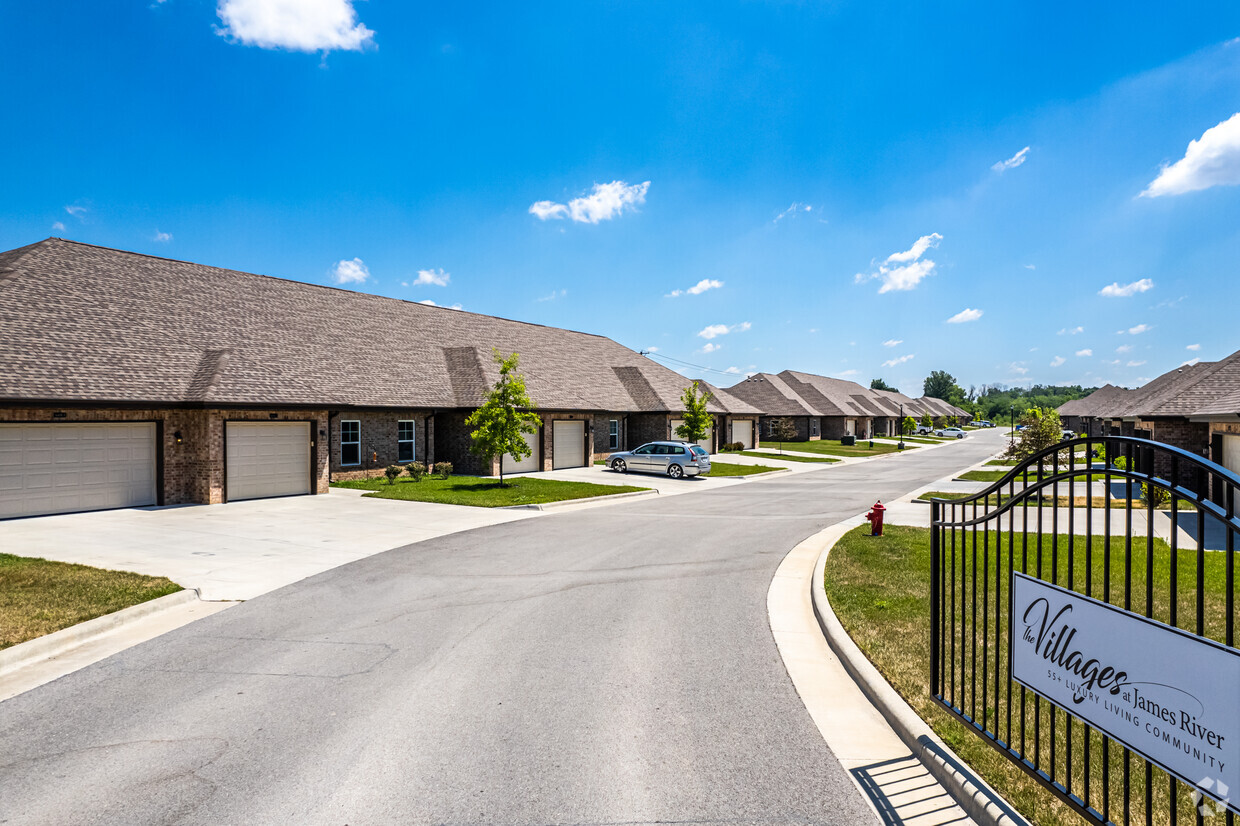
[994, 401]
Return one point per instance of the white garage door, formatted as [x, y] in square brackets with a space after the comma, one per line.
[743, 432]
[529, 463]
[568, 444]
[61, 468]
[704, 443]
[1231, 453]
[267, 459]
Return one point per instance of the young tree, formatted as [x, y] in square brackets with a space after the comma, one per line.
[908, 426]
[504, 417]
[1042, 430]
[926, 421]
[697, 419]
[783, 430]
[879, 384]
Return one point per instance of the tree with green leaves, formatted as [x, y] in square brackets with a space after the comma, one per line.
[879, 384]
[697, 419]
[908, 426]
[783, 430]
[1042, 429]
[507, 414]
[926, 420]
[942, 385]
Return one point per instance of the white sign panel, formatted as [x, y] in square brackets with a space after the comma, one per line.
[1170, 696]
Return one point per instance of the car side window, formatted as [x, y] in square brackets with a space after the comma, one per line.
[679, 451]
[645, 449]
[660, 450]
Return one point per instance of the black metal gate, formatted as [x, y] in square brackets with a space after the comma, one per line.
[1089, 516]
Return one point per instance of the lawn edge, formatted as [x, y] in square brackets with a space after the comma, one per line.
[975, 795]
[16, 657]
[579, 501]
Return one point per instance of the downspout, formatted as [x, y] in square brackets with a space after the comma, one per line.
[330, 413]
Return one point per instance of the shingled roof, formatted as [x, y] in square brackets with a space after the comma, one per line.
[793, 393]
[90, 324]
[1208, 388]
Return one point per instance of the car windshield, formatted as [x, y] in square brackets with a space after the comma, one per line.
[698, 451]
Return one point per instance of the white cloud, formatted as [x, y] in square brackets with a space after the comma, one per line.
[350, 272]
[965, 315]
[1115, 290]
[162, 237]
[1030, 267]
[740, 328]
[1123, 348]
[892, 342]
[736, 370]
[1193, 347]
[1071, 331]
[1191, 362]
[299, 25]
[714, 330]
[605, 202]
[75, 210]
[1111, 361]
[904, 270]
[1211, 160]
[1012, 162]
[553, 295]
[793, 210]
[430, 303]
[846, 373]
[1014, 367]
[710, 347]
[58, 226]
[1139, 329]
[1135, 363]
[1083, 353]
[898, 360]
[697, 289]
[1057, 361]
[438, 278]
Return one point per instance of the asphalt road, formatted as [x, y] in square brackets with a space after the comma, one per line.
[604, 666]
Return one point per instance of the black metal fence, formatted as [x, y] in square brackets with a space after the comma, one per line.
[1139, 525]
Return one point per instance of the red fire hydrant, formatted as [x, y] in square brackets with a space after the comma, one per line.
[876, 519]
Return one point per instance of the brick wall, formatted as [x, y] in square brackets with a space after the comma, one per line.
[194, 469]
[452, 444]
[648, 427]
[801, 423]
[379, 441]
[602, 440]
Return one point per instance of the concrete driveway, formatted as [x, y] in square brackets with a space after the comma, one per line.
[240, 550]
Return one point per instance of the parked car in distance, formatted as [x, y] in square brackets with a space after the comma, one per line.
[676, 459]
[923, 430]
[1068, 435]
[950, 432]
[987, 423]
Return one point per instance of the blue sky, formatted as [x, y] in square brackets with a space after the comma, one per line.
[827, 185]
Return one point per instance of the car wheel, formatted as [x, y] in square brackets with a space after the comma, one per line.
[675, 471]
[619, 466]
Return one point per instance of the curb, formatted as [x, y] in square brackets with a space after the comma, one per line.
[975, 796]
[754, 476]
[58, 642]
[589, 500]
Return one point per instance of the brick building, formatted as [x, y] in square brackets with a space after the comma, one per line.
[130, 380]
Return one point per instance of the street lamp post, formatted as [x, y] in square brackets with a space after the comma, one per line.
[900, 444]
[1012, 432]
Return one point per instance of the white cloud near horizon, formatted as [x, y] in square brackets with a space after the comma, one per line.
[1058, 361]
[1123, 348]
[429, 303]
[553, 295]
[1135, 363]
[350, 272]
[697, 289]
[1066, 331]
[297, 25]
[437, 278]
[1012, 162]
[605, 202]
[1083, 353]
[1193, 347]
[892, 342]
[1191, 362]
[1139, 329]
[1211, 160]
[965, 315]
[716, 330]
[898, 360]
[1016, 368]
[904, 270]
[161, 237]
[1116, 290]
[58, 226]
[710, 347]
[75, 210]
[792, 210]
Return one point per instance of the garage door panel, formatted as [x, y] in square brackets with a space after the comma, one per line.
[568, 444]
[530, 463]
[265, 459]
[705, 443]
[74, 466]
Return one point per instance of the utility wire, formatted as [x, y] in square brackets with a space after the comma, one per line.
[691, 364]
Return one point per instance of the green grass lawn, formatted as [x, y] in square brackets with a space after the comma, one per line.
[483, 492]
[786, 457]
[38, 597]
[921, 440]
[832, 447]
[878, 587]
[728, 469]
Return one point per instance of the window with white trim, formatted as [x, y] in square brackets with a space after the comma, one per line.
[813, 425]
[613, 434]
[404, 440]
[350, 443]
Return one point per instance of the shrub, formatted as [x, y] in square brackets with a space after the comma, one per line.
[1154, 495]
[443, 469]
[416, 471]
[392, 471]
[732, 447]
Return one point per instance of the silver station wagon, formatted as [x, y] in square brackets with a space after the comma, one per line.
[676, 459]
